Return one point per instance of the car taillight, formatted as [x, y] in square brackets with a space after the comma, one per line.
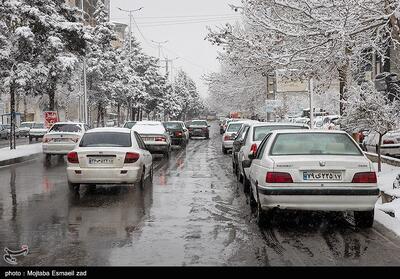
[160, 139]
[178, 133]
[253, 148]
[388, 142]
[72, 158]
[364, 177]
[131, 157]
[227, 137]
[278, 177]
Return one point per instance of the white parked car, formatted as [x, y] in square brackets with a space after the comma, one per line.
[312, 170]
[330, 122]
[155, 136]
[109, 156]
[252, 139]
[37, 131]
[231, 132]
[62, 137]
[25, 127]
[390, 143]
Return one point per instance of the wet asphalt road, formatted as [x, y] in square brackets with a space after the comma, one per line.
[194, 213]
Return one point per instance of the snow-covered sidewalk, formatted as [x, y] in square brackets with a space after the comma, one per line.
[385, 184]
[17, 155]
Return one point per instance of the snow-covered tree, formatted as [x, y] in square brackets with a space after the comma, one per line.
[366, 108]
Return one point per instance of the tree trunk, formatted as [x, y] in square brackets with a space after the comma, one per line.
[12, 114]
[138, 114]
[25, 108]
[103, 112]
[118, 113]
[98, 114]
[379, 153]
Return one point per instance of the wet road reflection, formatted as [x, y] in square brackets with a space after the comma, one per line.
[194, 213]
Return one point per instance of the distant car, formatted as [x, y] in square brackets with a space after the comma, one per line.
[230, 133]
[390, 143]
[109, 156]
[312, 170]
[330, 122]
[62, 137]
[178, 132]
[226, 123]
[37, 131]
[129, 124]
[8, 128]
[24, 128]
[199, 128]
[155, 136]
[3, 132]
[249, 142]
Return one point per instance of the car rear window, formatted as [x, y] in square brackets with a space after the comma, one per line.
[260, 132]
[129, 125]
[106, 139]
[38, 125]
[71, 128]
[234, 127]
[199, 123]
[314, 144]
[172, 125]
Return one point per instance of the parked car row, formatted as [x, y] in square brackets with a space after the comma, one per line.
[288, 166]
[115, 155]
[32, 130]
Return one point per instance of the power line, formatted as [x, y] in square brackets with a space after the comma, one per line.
[178, 23]
[183, 16]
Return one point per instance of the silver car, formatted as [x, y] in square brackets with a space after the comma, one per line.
[250, 142]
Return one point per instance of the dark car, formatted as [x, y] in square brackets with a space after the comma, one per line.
[178, 132]
[199, 128]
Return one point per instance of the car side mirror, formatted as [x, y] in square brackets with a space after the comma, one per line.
[208, 125]
[252, 156]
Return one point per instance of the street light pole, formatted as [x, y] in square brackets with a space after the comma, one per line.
[159, 44]
[130, 24]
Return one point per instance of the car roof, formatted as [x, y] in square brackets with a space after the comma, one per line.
[291, 131]
[148, 122]
[199, 120]
[263, 124]
[109, 129]
[173, 121]
[68, 122]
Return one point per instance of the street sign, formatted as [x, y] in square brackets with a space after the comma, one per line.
[270, 105]
[50, 117]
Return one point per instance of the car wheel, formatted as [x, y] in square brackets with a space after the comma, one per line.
[246, 184]
[252, 202]
[142, 179]
[364, 219]
[224, 150]
[73, 187]
[167, 154]
[30, 139]
[48, 158]
[151, 173]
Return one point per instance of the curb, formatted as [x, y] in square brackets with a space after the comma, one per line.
[19, 159]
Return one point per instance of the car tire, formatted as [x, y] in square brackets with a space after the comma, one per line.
[252, 201]
[30, 139]
[364, 219]
[167, 154]
[48, 158]
[246, 184]
[224, 151]
[73, 187]
[142, 179]
[151, 174]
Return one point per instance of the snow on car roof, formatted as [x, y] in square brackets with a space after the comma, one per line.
[109, 129]
[291, 131]
[262, 124]
[149, 127]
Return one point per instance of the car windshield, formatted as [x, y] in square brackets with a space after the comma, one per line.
[106, 139]
[26, 125]
[38, 126]
[172, 125]
[129, 125]
[314, 144]
[198, 123]
[234, 127]
[71, 128]
[260, 132]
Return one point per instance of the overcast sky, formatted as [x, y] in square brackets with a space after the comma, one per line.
[183, 23]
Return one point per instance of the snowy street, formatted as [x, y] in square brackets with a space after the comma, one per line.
[194, 213]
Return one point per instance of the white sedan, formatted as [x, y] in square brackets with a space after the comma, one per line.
[109, 156]
[312, 170]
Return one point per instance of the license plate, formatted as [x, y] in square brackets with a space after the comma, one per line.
[60, 140]
[323, 175]
[101, 161]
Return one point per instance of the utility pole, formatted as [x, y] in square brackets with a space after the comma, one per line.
[85, 101]
[130, 24]
[167, 61]
[159, 44]
[311, 90]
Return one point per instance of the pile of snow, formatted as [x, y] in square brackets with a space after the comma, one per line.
[20, 151]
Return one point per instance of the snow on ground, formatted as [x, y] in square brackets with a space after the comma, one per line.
[385, 183]
[20, 151]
